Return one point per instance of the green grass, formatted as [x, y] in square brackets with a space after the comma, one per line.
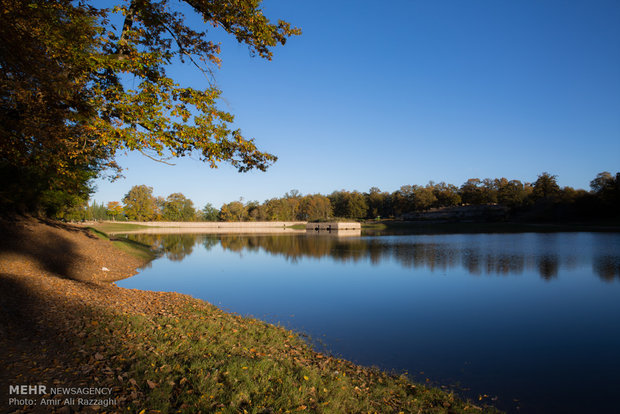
[132, 247]
[206, 360]
[297, 227]
[117, 227]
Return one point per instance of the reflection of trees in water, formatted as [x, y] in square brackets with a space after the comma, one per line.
[174, 246]
[294, 247]
[433, 256]
[210, 241]
[607, 267]
[475, 259]
[548, 266]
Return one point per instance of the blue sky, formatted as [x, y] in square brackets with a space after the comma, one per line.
[385, 94]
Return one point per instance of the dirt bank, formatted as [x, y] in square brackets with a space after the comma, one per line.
[52, 279]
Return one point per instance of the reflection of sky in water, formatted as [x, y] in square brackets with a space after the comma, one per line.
[545, 332]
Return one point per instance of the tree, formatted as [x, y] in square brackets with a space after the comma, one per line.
[401, 203]
[602, 182]
[114, 209]
[283, 209]
[314, 207]
[349, 204]
[177, 207]
[256, 212]
[606, 188]
[510, 193]
[46, 156]
[139, 203]
[377, 202]
[546, 186]
[234, 211]
[66, 106]
[447, 195]
[423, 197]
[476, 191]
[209, 213]
[489, 190]
[471, 192]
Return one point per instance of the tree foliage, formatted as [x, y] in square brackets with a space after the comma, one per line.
[518, 198]
[177, 207]
[233, 211]
[546, 186]
[67, 107]
[348, 204]
[314, 207]
[209, 213]
[114, 209]
[139, 203]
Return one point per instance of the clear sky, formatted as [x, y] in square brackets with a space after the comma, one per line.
[385, 94]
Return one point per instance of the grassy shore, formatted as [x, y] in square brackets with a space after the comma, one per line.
[200, 359]
[166, 352]
[140, 250]
[108, 227]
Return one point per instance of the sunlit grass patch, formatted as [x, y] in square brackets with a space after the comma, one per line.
[203, 359]
[132, 247]
[117, 227]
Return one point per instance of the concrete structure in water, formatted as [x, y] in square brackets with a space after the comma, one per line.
[215, 224]
[335, 226]
[169, 227]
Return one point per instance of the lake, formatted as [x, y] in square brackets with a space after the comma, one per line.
[528, 322]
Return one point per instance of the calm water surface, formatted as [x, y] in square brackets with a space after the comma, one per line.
[530, 322]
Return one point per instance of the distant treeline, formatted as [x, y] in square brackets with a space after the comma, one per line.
[542, 200]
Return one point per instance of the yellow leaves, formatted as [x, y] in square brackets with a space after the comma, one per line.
[306, 377]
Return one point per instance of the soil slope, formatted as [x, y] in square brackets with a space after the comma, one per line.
[51, 280]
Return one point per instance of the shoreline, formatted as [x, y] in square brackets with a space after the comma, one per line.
[67, 325]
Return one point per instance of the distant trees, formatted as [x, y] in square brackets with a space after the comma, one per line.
[604, 182]
[283, 209]
[348, 204]
[177, 207]
[209, 213]
[606, 189]
[542, 200]
[139, 203]
[234, 211]
[314, 207]
[545, 187]
[255, 212]
[114, 209]
[511, 193]
[446, 195]
[377, 202]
